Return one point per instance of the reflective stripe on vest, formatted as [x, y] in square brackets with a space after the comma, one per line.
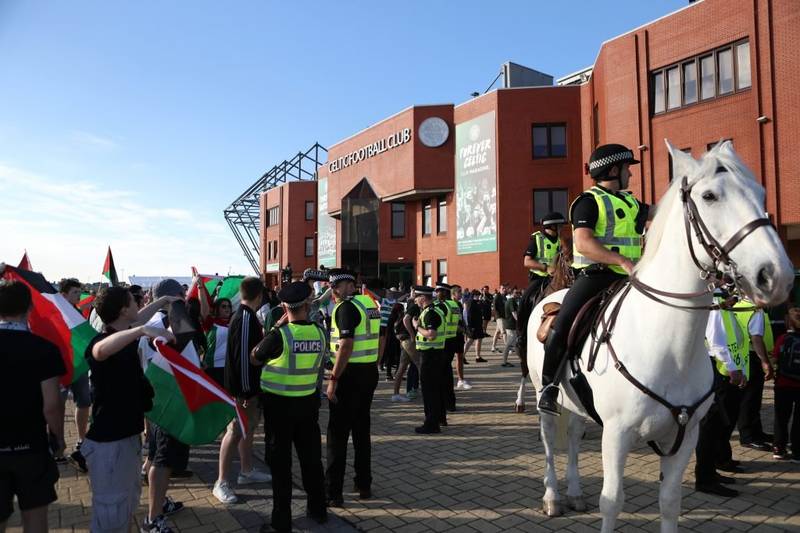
[614, 232]
[738, 344]
[546, 252]
[365, 340]
[295, 372]
[424, 343]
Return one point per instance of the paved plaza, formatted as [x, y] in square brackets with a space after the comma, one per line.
[483, 473]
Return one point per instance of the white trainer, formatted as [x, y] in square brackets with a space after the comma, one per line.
[253, 476]
[463, 384]
[223, 492]
[400, 398]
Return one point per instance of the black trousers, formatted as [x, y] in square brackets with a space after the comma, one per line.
[587, 285]
[450, 347]
[787, 401]
[713, 444]
[293, 421]
[351, 413]
[433, 387]
[750, 429]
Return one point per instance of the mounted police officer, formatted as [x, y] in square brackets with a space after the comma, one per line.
[608, 224]
[291, 355]
[430, 342]
[540, 257]
[354, 333]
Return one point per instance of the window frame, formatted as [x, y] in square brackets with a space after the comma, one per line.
[392, 213]
[548, 128]
[550, 192]
[427, 213]
[439, 262]
[305, 251]
[697, 59]
[441, 202]
[277, 218]
[427, 278]
[312, 212]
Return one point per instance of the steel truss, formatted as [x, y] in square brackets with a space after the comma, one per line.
[244, 214]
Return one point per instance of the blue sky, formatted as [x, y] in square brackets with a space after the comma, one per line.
[135, 124]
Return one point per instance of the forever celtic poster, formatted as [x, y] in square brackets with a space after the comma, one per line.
[476, 186]
[326, 228]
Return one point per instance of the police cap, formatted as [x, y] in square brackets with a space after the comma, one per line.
[341, 274]
[294, 294]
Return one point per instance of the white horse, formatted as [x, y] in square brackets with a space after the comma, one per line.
[663, 346]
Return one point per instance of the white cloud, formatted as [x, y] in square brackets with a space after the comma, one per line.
[66, 227]
[90, 139]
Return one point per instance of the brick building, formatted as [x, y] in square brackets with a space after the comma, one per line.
[453, 192]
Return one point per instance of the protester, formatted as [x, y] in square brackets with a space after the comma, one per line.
[499, 314]
[475, 331]
[29, 393]
[70, 289]
[510, 323]
[216, 328]
[786, 356]
[121, 397]
[242, 382]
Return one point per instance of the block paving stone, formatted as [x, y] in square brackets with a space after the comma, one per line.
[483, 473]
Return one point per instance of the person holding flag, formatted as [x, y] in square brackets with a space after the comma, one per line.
[291, 357]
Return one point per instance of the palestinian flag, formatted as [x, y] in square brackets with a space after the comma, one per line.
[109, 270]
[25, 263]
[230, 290]
[188, 404]
[371, 294]
[53, 318]
[85, 304]
[203, 289]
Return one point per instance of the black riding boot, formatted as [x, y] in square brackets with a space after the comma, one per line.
[548, 396]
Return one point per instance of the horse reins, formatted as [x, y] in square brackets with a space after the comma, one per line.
[720, 255]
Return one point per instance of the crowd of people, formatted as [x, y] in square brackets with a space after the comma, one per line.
[278, 353]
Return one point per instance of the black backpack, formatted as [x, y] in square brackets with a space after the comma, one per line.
[789, 357]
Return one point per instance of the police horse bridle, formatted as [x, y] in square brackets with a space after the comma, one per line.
[716, 277]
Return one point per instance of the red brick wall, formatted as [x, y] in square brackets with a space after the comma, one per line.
[293, 229]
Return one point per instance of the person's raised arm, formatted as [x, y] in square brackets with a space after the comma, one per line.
[147, 312]
[112, 344]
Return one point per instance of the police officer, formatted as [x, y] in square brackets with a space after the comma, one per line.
[728, 346]
[608, 223]
[430, 343]
[543, 249]
[291, 355]
[452, 314]
[354, 344]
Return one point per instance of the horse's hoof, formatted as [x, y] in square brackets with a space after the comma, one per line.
[576, 503]
[519, 407]
[552, 508]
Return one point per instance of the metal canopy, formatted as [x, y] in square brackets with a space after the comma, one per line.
[244, 214]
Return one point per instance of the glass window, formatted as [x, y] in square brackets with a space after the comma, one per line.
[426, 273]
[673, 88]
[441, 266]
[548, 200]
[426, 217]
[309, 210]
[441, 216]
[558, 141]
[707, 77]
[309, 246]
[274, 219]
[540, 141]
[725, 62]
[658, 93]
[689, 83]
[743, 65]
[398, 220]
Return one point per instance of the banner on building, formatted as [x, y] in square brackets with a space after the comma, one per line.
[326, 228]
[476, 185]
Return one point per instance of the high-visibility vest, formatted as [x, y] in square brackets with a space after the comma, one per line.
[738, 344]
[453, 318]
[386, 310]
[447, 312]
[615, 228]
[744, 317]
[295, 372]
[424, 343]
[546, 251]
[217, 342]
[365, 340]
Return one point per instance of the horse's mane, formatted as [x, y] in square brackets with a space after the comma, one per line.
[707, 166]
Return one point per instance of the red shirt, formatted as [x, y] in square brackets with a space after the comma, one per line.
[783, 381]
